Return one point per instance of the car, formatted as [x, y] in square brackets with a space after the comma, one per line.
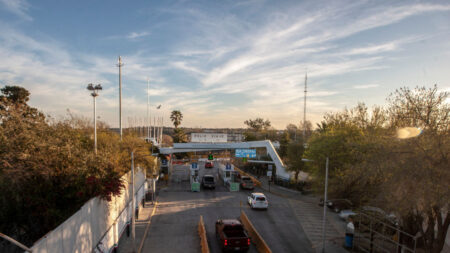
[232, 235]
[247, 183]
[338, 204]
[208, 181]
[345, 214]
[209, 165]
[258, 201]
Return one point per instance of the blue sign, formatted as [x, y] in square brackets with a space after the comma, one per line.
[164, 162]
[194, 165]
[228, 166]
[249, 153]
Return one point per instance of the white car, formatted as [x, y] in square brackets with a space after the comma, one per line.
[258, 201]
[344, 214]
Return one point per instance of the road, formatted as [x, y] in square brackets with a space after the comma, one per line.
[174, 225]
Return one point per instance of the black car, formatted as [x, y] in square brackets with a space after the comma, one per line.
[208, 181]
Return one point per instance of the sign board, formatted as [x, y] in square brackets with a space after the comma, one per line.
[195, 187]
[228, 166]
[164, 162]
[234, 187]
[269, 167]
[269, 173]
[249, 153]
[208, 137]
[194, 165]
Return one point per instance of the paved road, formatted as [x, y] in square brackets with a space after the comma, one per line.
[174, 225]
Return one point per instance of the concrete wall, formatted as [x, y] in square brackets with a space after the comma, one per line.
[97, 224]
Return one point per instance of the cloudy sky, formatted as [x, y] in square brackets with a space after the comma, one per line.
[221, 62]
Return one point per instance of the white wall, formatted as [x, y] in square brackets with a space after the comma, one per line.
[98, 222]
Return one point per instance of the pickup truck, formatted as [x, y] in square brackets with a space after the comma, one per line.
[232, 235]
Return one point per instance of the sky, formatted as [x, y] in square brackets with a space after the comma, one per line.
[221, 62]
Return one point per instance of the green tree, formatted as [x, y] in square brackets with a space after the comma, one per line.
[284, 142]
[258, 124]
[295, 152]
[176, 117]
[179, 136]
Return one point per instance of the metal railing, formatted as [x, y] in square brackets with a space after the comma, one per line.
[373, 235]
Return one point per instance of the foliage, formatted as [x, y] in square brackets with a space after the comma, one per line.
[176, 117]
[258, 124]
[284, 142]
[295, 152]
[368, 164]
[48, 169]
[179, 136]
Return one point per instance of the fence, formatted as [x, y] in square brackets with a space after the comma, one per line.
[98, 225]
[373, 235]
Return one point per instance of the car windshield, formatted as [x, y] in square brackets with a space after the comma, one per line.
[209, 179]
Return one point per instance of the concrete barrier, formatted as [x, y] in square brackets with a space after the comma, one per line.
[256, 181]
[256, 238]
[202, 234]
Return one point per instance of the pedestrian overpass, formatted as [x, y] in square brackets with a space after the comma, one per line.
[198, 147]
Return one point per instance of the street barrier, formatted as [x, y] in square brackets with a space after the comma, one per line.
[256, 181]
[256, 238]
[202, 234]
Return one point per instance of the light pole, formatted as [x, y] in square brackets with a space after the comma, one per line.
[324, 219]
[120, 64]
[94, 94]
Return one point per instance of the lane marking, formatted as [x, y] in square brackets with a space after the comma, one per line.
[148, 226]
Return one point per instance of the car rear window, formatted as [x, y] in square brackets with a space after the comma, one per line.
[260, 198]
[246, 179]
[209, 179]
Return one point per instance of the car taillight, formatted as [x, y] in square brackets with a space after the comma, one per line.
[225, 243]
[248, 242]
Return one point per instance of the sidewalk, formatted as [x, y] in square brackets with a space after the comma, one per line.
[310, 216]
[142, 223]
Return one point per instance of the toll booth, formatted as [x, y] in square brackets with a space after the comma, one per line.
[194, 177]
[229, 176]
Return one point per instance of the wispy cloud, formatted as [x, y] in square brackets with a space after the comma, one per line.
[18, 7]
[136, 35]
[366, 86]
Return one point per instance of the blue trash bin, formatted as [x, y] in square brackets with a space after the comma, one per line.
[349, 240]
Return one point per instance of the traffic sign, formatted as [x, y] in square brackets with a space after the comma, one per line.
[269, 173]
[210, 157]
[228, 166]
[249, 153]
[194, 165]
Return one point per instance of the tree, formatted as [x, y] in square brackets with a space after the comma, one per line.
[284, 142]
[48, 169]
[408, 177]
[179, 136]
[295, 152]
[176, 117]
[258, 124]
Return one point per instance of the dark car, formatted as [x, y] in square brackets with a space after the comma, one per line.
[338, 205]
[208, 181]
[209, 165]
[232, 235]
[247, 183]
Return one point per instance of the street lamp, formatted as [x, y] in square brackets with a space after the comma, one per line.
[94, 94]
[324, 219]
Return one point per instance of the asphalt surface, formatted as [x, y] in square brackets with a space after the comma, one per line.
[174, 225]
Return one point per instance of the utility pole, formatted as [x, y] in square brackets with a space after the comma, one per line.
[304, 112]
[324, 221]
[133, 204]
[148, 104]
[120, 64]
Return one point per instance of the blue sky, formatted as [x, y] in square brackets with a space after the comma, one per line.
[222, 62]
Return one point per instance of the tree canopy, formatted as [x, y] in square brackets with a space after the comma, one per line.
[176, 117]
